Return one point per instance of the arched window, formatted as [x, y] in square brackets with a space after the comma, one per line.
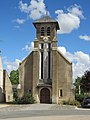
[48, 31]
[42, 31]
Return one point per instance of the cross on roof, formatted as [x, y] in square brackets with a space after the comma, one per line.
[46, 11]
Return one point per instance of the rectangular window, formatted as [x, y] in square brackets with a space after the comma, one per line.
[41, 45]
[8, 97]
[41, 65]
[60, 93]
[42, 31]
[49, 46]
[29, 91]
[48, 31]
[49, 64]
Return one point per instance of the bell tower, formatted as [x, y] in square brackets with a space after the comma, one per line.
[45, 42]
[46, 27]
[46, 31]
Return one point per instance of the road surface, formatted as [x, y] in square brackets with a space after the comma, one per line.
[38, 112]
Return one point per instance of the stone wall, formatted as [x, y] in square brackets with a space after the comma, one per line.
[54, 76]
[61, 78]
[8, 92]
[64, 79]
[25, 75]
[35, 74]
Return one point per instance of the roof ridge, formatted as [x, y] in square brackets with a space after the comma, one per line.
[45, 19]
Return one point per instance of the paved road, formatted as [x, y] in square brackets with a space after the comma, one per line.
[53, 118]
[42, 111]
[35, 107]
[37, 113]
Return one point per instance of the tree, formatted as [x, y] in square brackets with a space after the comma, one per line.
[79, 94]
[85, 82]
[14, 77]
[77, 85]
[82, 86]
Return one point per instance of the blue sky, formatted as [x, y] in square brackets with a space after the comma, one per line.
[17, 32]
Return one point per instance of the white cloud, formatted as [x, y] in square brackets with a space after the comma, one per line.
[76, 10]
[24, 7]
[85, 37]
[82, 63]
[29, 47]
[35, 9]
[11, 65]
[82, 57]
[20, 21]
[70, 19]
[80, 60]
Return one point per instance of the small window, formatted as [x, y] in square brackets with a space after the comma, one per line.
[60, 93]
[29, 91]
[41, 45]
[8, 97]
[49, 45]
[48, 31]
[42, 31]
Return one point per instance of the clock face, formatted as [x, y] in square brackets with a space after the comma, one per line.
[45, 39]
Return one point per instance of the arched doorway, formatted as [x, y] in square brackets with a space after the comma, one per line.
[45, 95]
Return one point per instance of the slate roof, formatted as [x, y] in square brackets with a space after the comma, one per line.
[46, 19]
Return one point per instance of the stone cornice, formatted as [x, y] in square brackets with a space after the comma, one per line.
[35, 49]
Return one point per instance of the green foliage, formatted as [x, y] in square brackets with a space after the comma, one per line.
[15, 96]
[79, 97]
[77, 84]
[26, 99]
[82, 86]
[14, 77]
[85, 83]
[71, 102]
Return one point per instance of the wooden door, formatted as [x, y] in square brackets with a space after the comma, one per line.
[45, 95]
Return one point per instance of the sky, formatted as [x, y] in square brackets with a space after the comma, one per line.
[17, 32]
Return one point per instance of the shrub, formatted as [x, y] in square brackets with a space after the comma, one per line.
[79, 97]
[26, 99]
[71, 102]
[15, 96]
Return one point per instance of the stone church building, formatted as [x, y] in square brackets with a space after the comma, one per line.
[45, 72]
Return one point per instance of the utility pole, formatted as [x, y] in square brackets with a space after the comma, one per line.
[79, 90]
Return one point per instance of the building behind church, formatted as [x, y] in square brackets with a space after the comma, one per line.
[6, 92]
[45, 72]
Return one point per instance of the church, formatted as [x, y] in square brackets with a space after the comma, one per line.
[46, 73]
